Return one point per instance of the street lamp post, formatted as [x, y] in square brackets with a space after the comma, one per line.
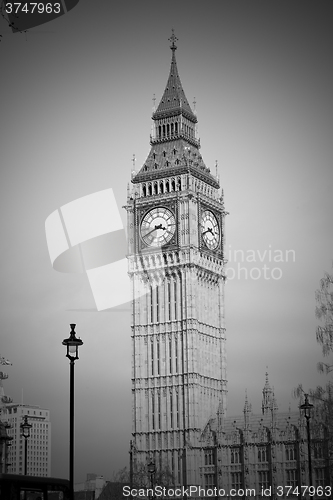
[307, 407]
[72, 344]
[151, 470]
[25, 432]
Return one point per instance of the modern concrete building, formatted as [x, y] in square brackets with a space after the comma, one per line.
[38, 444]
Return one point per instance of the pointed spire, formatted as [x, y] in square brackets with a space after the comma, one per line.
[174, 101]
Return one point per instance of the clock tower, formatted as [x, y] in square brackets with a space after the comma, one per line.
[176, 264]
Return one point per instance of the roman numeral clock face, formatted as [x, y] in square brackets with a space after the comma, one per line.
[158, 227]
[210, 230]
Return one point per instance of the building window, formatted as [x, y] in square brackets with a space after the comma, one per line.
[209, 457]
[320, 477]
[159, 410]
[263, 479]
[318, 449]
[151, 305]
[176, 355]
[171, 411]
[291, 478]
[236, 480]
[170, 356]
[175, 298]
[262, 454]
[290, 452]
[177, 410]
[152, 356]
[153, 410]
[158, 358]
[235, 456]
[210, 481]
[169, 301]
[157, 305]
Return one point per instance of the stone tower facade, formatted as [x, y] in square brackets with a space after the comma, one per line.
[176, 263]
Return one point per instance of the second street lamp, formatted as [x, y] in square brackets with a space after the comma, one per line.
[25, 432]
[72, 344]
[307, 407]
[151, 470]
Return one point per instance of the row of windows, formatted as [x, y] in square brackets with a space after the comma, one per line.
[164, 186]
[173, 413]
[264, 480]
[155, 358]
[171, 309]
[33, 412]
[262, 455]
[170, 130]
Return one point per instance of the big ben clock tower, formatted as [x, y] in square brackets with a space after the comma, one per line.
[176, 264]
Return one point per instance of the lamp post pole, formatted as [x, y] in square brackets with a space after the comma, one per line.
[151, 470]
[72, 344]
[25, 432]
[307, 409]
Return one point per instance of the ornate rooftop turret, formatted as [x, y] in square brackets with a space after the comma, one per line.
[268, 398]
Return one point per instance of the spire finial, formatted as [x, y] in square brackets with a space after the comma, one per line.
[173, 39]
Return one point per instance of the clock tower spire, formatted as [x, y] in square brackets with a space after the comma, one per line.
[176, 264]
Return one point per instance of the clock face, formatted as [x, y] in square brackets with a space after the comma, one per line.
[158, 227]
[210, 230]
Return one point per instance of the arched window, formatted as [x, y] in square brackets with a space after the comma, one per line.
[262, 454]
[176, 128]
[167, 187]
[159, 131]
[155, 188]
[173, 185]
[163, 130]
[171, 128]
[144, 191]
[161, 187]
[149, 190]
[179, 184]
[168, 130]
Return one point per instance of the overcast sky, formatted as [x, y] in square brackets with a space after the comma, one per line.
[76, 102]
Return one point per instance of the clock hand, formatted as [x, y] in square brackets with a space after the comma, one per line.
[152, 230]
[209, 230]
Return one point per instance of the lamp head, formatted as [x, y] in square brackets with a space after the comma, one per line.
[306, 407]
[25, 427]
[72, 344]
[151, 467]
